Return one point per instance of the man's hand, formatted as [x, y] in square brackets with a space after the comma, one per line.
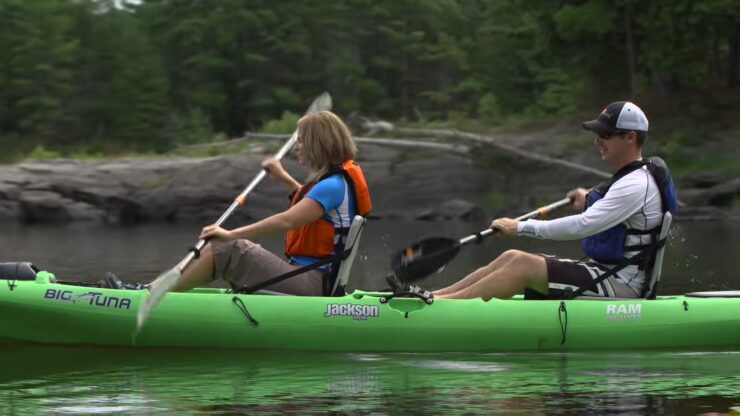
[577, 198]
[506, 226]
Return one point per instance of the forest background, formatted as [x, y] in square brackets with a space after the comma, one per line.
[84, 78]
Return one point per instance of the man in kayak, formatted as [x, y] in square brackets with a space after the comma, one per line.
[316, 222]
[619, 218]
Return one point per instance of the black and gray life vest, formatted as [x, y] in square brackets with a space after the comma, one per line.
[609, 246]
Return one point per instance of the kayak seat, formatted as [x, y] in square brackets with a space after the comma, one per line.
[353, 241]
[651, 285]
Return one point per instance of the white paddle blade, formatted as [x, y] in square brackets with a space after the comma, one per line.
[167, 282]
[321, 103]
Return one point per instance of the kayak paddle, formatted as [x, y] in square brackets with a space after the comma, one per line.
[431, 254]
[169, 278]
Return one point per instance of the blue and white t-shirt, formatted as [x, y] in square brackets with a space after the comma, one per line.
[336, 197]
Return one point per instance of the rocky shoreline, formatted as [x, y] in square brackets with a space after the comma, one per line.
[406, 183]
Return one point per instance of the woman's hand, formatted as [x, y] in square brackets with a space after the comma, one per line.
[214, 232]
[506, 226]
[577, 198]
[274, 168]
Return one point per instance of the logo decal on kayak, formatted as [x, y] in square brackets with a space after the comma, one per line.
[622, 312]
[93, 298]
[358, 312]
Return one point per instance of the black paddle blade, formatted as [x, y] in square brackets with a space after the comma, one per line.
[424, 258]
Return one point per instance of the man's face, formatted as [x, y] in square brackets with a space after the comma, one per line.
[612, 147]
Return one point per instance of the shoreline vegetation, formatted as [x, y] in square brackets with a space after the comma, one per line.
[504, 171]
[495, 89]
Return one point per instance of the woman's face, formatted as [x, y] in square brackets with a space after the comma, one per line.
[300, 151]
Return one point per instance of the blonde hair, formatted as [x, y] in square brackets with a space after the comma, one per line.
[326, 142]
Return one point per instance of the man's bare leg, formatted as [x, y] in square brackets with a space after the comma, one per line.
[480, 273]
[524, 270]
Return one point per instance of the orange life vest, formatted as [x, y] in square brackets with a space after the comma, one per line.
[317, 238]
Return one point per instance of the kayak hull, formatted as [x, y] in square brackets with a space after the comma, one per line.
[43, 312]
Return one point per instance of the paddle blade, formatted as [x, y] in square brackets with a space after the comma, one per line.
[321, 103]
[424, 258]
[167, 282]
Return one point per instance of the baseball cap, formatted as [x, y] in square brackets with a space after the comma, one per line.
[618, 116]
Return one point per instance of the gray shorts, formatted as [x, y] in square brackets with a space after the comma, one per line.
[574, 274]
[244, 263]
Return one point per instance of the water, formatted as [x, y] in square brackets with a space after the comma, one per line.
[700, 255]
[39, 380]
[73, 380]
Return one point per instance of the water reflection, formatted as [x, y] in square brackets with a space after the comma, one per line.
[39, 379]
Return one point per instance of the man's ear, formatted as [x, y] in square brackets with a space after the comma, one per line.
[632, 135]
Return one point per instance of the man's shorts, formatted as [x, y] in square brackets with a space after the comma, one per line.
[244, 263]
[566, 274]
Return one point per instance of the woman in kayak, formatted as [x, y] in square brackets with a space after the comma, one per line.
[320, 213]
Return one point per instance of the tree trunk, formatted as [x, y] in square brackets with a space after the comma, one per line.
[733, 58]
[631, 54]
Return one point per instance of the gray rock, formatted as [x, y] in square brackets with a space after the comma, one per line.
[45, 206]
[703, 180]
[722, 195]
[405, 183]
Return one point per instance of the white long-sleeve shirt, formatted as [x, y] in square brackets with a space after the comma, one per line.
[633, 200]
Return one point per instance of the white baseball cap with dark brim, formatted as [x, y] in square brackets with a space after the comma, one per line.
[617, 117]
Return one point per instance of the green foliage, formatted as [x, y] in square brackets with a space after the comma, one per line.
[107, 78]
[558, 96]
[191, 127]
[489, 108]
[285, 124]
[592, 19]
[40, 153]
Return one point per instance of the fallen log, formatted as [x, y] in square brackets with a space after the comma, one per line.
[451, 134]
[422, 142]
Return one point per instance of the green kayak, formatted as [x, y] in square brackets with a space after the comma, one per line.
[40, 310]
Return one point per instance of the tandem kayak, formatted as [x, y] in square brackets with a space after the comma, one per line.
[41, 310]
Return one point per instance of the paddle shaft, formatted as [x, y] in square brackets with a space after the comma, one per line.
[239, 200]
[542, 211]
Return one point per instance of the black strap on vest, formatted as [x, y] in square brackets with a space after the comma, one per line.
[654, 233]
[603, 187]
[334, 258]
[303, 190]
[330, 276]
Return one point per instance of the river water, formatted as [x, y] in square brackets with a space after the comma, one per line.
[73, 380]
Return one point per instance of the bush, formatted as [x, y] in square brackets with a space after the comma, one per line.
[40, 153]
[13, 147]
[489, 108]
[190, 128]
[285, 124]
